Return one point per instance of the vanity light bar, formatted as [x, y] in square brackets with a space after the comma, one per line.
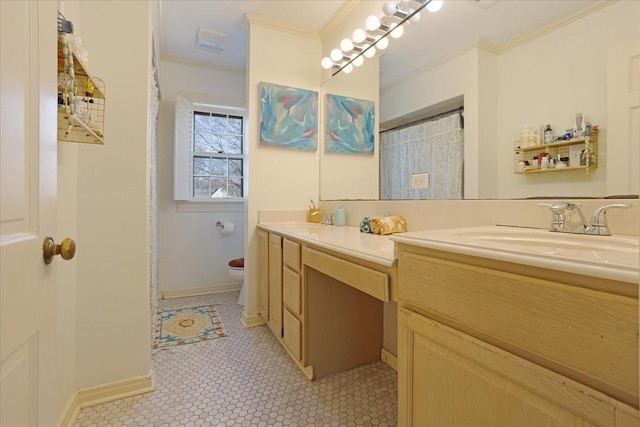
[365, 42]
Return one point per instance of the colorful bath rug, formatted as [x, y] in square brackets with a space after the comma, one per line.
[187, 326]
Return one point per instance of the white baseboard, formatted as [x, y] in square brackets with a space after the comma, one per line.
[389, 359]
[104, 393]
[179, 293]
[251, 321]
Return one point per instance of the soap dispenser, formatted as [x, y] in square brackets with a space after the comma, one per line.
[339, 216]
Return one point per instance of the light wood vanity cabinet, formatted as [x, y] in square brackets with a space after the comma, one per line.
[488, 343]
[263, 274]
[275, 284]
[326, 308]
[292, 299]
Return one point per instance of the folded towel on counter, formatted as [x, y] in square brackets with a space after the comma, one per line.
[388, 224]
[365, 225]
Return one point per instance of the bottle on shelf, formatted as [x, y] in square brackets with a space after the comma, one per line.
[548, 135]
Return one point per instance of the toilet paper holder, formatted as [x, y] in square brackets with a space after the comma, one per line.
[225, 228]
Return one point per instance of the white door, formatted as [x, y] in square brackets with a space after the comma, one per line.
[27, 212]
[623, 119]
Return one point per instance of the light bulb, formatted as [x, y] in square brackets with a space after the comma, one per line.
[382, 43]
[397, 32]
[371, 52]
[346, 45]
[389, 8]
[434, 5]
[372, 23]
[348, 68]
[358, 61]
[326, 63]
[336, 55]
[415, 18]
[359, 35]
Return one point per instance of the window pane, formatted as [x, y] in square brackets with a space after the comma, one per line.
[235, 167]
[201, 166]
[201, 122]
[235, 125]
[218, 124]
[219, 187]
[235, 187]
[200, 187]
[202, 142]
[233, 145]
[219, 167]
[217, 144]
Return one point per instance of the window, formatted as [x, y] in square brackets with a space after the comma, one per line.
[209, 152]
[217, 155]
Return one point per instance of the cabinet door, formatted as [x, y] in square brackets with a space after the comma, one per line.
[263, 274]
[292, 333]
[449, 379]
[275, 284]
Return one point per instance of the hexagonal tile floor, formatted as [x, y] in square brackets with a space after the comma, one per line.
[248, 379]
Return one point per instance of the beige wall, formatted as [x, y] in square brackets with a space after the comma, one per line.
[278, 178]
[68, 154]
[194, 233]
[112, 318]
[349, 176]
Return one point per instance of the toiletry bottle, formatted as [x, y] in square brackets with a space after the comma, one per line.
[548, 135]
[544, 163]
[339, 216]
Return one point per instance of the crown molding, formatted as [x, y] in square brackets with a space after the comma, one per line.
[343, 11]
[500, 49]
[556, 25]
[200, 64]
[478, 44]
[254, 19]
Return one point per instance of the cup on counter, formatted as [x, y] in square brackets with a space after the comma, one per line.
[314, 215]
[534, 163]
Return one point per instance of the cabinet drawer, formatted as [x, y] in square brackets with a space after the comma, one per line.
[291, 255]
[587, 335]
[364, 279]
[291, 290]
[291, 338]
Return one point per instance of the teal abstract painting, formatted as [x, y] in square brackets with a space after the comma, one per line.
[288, 117]
[350, 125]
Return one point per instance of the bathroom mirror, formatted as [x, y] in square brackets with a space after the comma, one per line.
[542, 77]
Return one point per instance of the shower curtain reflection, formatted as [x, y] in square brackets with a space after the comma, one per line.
[434, 145]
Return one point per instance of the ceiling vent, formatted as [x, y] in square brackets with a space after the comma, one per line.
[211, 40]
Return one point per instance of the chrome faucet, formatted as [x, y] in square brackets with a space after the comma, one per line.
[326, 219]
[597, 224]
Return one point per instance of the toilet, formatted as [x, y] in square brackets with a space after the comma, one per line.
[236, 272]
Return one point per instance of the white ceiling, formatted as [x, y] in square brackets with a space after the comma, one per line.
[457, 25]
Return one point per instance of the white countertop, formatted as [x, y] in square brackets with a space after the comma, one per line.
[344, 239]
[608, 257]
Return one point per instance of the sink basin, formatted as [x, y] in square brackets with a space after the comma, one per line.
[613, 257]
[537, 238]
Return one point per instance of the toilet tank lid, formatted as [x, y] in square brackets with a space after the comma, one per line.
[237, 263]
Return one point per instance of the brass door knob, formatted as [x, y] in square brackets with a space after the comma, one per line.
[66, 249]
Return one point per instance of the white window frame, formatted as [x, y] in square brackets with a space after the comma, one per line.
[183, 158]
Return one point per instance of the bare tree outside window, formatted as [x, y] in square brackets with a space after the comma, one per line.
[217, 155]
